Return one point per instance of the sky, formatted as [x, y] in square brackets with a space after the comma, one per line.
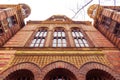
[43, 9]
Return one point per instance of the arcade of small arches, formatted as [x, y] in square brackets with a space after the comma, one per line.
[59, 70]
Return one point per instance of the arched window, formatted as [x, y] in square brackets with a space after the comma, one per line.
[59, 38]
[79, 38]
[39, 38]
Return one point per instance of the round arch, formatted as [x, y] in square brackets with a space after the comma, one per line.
[60, 65]
[22, 74]
[33, 68]
[90, 66]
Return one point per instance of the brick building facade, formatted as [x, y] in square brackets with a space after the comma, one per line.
[59, 48]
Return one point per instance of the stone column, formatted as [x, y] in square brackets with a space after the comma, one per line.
[70, 38]
[48, 41]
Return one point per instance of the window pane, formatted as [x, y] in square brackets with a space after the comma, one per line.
[45, 34]
[54, 45]
[73, 34]
[64, 41]
[34, 40]
[37, 34]
[41, 45]
[41, 34]
[54, 41]
[75, 40]
[31, 45]
[42, 41]
[36, 45]
[77, 34]
[59, 45]
[64, 45]
[59, 41]
[82, 45]
[55, 34]
[77, 45]
[38, 41]
[81, 35]
[80, 41]
[63, 34]
[59, 34]
[84, 41]
[86, 45]
[9, 19]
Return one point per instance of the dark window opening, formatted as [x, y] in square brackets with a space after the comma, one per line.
[20, 75]
[96, 74]
[1, 28]
[12, 21]
[106, 21]
[117, 30]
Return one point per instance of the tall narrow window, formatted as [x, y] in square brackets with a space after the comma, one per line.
[11, 21]
[79, 38]
[117, 30]
[1, 28]
[59, 38]
[39, 38]
[106, 21]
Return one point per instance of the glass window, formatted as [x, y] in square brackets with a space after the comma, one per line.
[54, 45]
[79, 38]
[64, 41]
[11, 21]
[59, 38]
[39, 38]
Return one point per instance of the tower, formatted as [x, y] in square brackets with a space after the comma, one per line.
[59, 48]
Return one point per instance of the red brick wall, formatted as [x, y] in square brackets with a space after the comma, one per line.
[21, 37]
[96, 37]
[5, 58]
[110, 36]
[114, 58]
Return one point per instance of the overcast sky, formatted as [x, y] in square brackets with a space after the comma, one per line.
[43, 9]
